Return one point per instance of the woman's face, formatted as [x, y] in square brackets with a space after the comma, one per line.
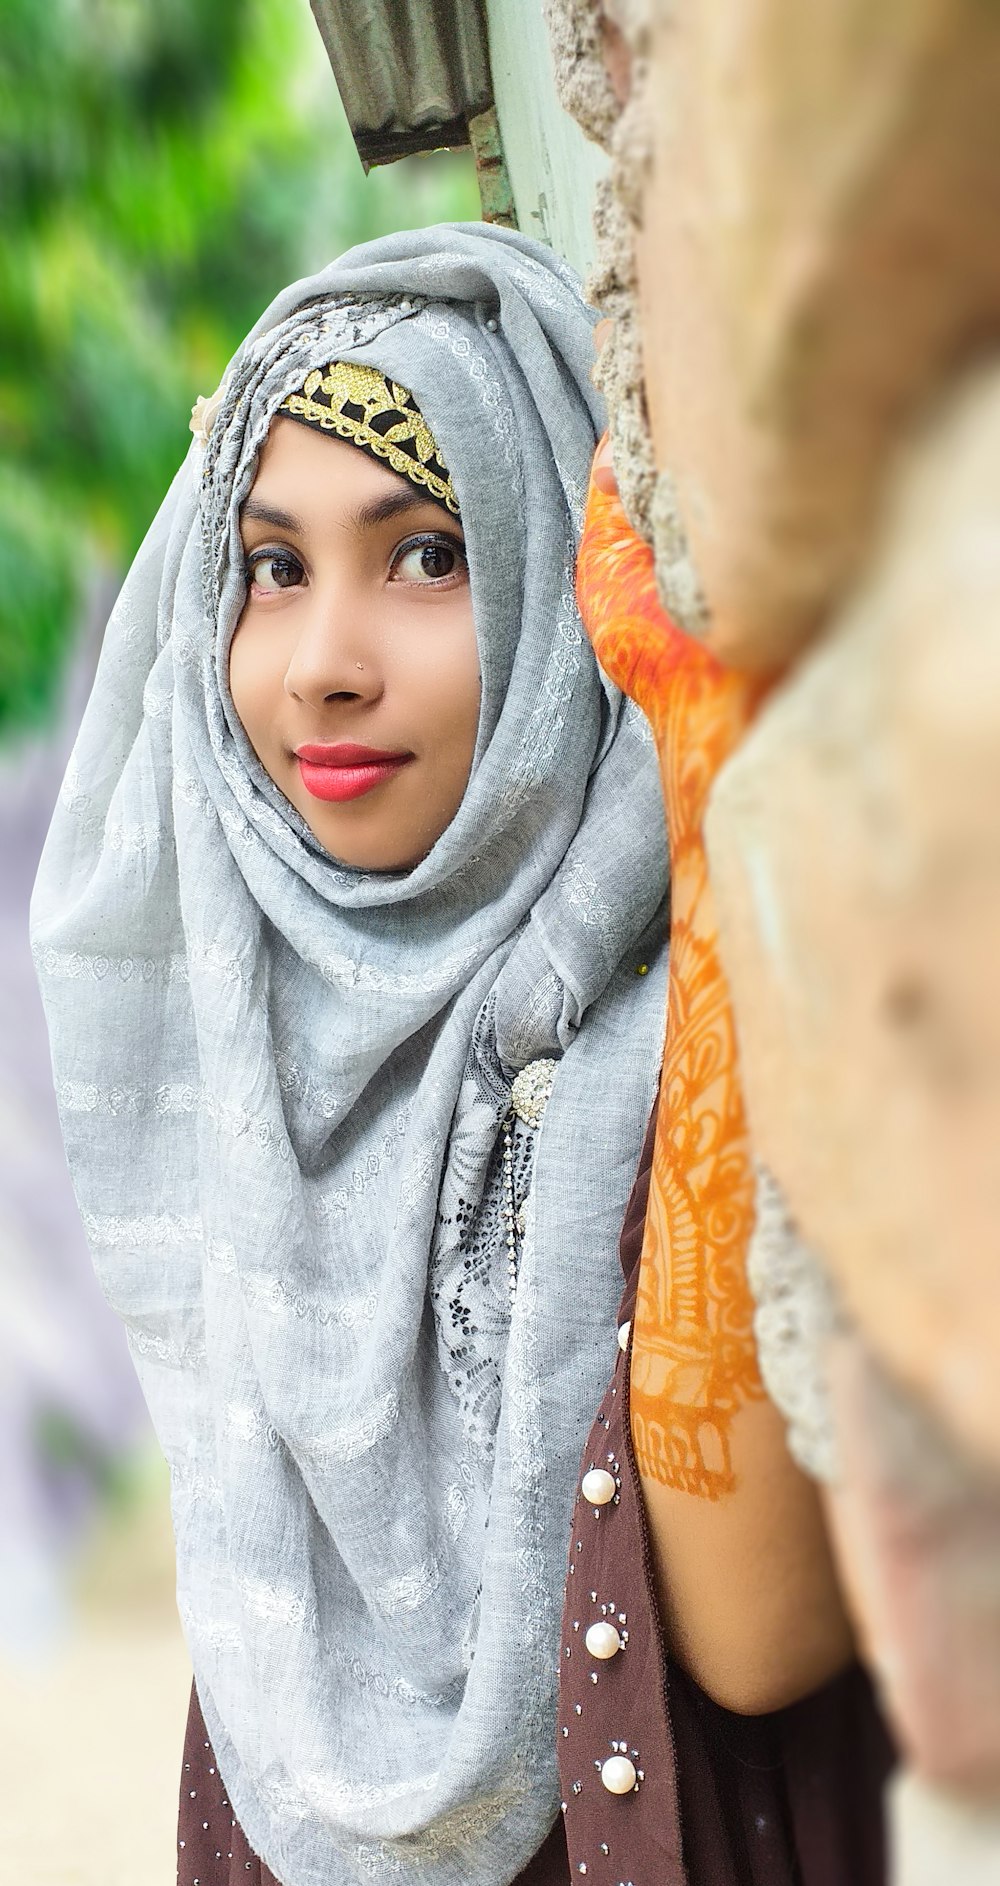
[354, 668]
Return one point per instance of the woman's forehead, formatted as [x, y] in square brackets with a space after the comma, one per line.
[306, 478]
[353, 400]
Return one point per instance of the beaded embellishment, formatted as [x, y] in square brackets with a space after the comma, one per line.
[529, 1095]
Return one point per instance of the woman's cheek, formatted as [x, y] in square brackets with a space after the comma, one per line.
[254, 682]
[466, 684]
[445, 676]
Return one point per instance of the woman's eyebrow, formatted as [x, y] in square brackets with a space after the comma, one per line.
[254, 511]
[393, 504]
[366, 517]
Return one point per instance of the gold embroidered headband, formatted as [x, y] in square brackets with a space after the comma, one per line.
[379, 416]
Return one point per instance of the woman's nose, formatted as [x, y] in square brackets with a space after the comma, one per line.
[333, 657]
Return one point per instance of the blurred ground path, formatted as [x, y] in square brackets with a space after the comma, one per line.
[90, 1743]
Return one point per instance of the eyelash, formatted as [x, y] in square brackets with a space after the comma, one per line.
[422, 540]
[431, 539]
[265, 555]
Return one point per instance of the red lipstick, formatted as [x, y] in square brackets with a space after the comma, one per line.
[346, 771]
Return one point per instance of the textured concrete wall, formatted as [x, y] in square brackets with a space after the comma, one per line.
[822, 234]
[855, 846]
[554, 169]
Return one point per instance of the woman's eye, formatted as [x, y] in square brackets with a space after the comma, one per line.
[429, 562]
[273, 571]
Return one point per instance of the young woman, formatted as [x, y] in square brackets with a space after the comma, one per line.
[355, 980]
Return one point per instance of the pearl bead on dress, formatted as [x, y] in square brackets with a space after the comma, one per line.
[598, 1486]
[603, 1641]
[618, 1774]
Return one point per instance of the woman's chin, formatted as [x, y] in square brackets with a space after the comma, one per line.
[364, 846]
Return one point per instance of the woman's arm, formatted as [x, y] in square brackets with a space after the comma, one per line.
[748, 1590]
[749, 1593]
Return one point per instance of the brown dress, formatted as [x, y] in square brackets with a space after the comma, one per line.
[789, 1799]
[793, 1798]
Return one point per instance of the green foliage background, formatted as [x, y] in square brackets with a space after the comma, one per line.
[165, 166]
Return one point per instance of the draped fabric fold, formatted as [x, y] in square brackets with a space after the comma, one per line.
[283, 1086]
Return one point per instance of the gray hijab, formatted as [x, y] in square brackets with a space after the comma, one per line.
[283, 1086]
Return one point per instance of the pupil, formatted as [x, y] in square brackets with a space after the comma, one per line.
[435, 560]
[283, 571]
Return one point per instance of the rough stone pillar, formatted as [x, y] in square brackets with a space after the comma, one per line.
[798, 245]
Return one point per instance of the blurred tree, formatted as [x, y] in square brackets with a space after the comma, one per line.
[163, 171]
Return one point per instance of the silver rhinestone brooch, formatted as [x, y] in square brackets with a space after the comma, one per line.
[530, 1091]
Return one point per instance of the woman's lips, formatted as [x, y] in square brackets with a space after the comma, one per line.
[346, 771]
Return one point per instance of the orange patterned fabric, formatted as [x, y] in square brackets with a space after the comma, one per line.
[694, 1361]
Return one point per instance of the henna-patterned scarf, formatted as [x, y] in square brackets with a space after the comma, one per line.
[694, 1357]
